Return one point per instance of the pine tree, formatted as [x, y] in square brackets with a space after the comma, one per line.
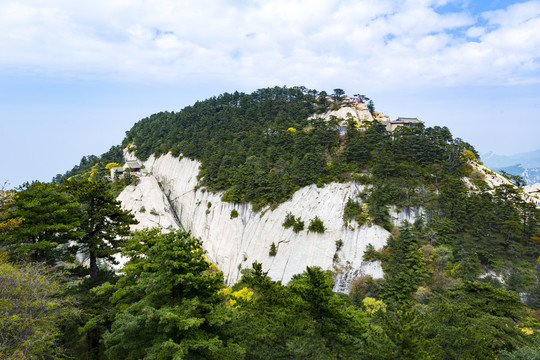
[169, 302]
[51, 218]
[405, 269]
[103, 222]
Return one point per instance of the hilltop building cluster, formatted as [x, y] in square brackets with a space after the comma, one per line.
[356, 109]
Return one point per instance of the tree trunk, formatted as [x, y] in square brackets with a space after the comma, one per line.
[93, 265]
[93, 337]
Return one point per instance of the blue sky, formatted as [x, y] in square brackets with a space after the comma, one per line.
[74, 76]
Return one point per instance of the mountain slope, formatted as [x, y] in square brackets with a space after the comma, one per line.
[234, 243]
[235, 166]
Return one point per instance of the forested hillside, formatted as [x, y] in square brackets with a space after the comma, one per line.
[263, 146]
[462, 282]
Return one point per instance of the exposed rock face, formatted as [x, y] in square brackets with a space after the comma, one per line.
[235, 243]
[149, 205]
[532, 189]
[357, 111]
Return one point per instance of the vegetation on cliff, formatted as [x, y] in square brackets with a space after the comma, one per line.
[262, 147]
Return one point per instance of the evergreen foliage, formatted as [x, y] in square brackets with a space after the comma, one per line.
[316, 225]
[289, 220]
[168, 302]
[51, 219]
[357, 212]
[273, 250]
[103, 221]
[474, 316]
[406, 331]
[7, 222]
[244, 144]
[304, 319]
[523, 353]
[404, 268]
[93, 167]
[298, 225]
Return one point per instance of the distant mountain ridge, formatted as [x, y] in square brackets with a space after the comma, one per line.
[526, 164]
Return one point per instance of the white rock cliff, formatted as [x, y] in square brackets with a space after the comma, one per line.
[235, 243]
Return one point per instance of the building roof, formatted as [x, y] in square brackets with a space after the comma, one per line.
[404, 120]
[133, 164]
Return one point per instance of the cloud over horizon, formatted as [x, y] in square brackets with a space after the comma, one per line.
[380, 43]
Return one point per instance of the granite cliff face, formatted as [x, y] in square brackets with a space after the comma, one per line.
[235, 243]
[149, 205]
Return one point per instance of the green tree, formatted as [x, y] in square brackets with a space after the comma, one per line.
[475, 321]
[169, 304]
[303, 320]
[283, 331]
[92, 166]
[343, 331]
[338, 94]
[406, 331]
[7, 197]
[289, 220]
[273, 250]
[533, 300]
[371, 107]
[316, 225]
[356, 148]
[83, 335]
[528, 352]
[519, 181]
[298, 225]
[103, 222]
[32, 309]
[405, 268]
[51, 220]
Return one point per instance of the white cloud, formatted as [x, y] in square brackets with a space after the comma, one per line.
[475, 31]
[286, 42]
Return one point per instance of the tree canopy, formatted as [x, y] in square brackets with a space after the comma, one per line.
[7, 197]
[103, 223]
[169, 302]
[33, 306]
[51, 220]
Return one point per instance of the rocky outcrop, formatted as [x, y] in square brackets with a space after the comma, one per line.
[234, 243]
[149, 205]
[358, 111]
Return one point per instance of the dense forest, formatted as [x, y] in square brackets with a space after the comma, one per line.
[461, 282]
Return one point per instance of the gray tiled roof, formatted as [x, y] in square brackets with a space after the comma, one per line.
[133, 164]
[404, 120]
